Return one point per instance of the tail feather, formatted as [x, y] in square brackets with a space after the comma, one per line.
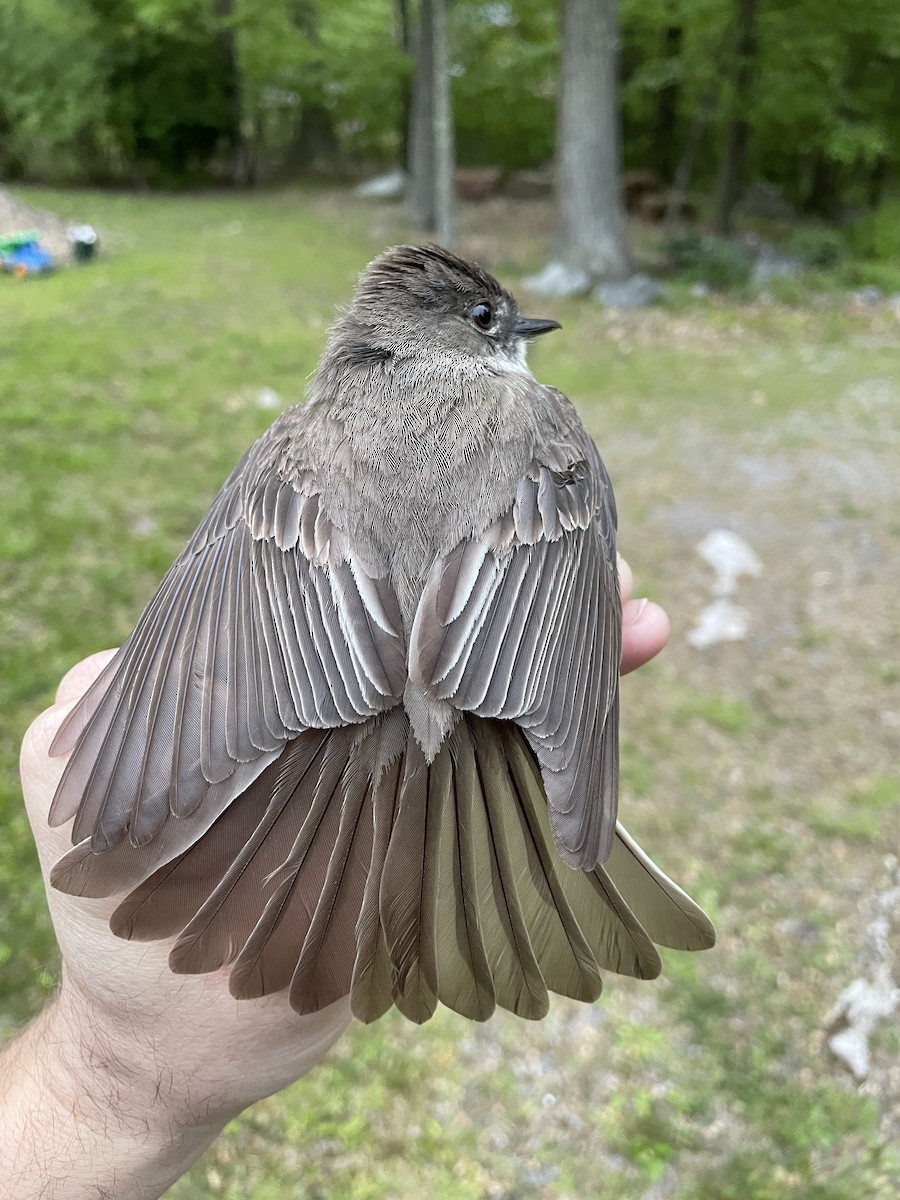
[567, 962]
[324, 971]
[269, 957]
[408, 884]
[217, 930]
[352, 866]
[370, 989]
[518, 983]
[464, 971]
[669, 915]
[616, 938]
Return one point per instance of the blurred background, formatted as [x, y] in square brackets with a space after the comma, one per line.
[706, 193]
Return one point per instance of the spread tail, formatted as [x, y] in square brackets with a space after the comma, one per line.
[352, 866]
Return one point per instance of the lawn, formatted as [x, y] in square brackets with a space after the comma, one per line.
[761, 773]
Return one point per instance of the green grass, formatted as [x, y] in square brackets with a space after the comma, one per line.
[761, 774]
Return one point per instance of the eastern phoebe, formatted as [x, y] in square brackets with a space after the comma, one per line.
[364, 739]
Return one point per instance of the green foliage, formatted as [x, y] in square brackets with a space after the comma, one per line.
[154, 90]
[818, 246]
[683, 252]
[826, 72]
[53, 100]
[877, 235]
[172, 85]
[504, 87]
[884, 275]
[717, 262]
[364, 76]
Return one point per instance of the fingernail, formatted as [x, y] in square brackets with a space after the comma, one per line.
[635, 611]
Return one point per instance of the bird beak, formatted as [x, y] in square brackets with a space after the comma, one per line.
[531, 327]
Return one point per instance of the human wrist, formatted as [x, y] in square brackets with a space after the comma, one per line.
[83, 1113]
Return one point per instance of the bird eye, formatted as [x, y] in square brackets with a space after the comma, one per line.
[481, 315]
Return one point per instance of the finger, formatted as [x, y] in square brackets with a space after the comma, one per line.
[626, 579]
[40, 772]
[40, 775]
[645, 630]
[79, 678]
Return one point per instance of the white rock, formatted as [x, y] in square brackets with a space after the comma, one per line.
[721, 621]
[557, 279]
[862, 1004]
[390, 186]
[730, 557]
[638, 291]
[866, 1001]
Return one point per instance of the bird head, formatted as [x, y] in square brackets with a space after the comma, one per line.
[424, 298]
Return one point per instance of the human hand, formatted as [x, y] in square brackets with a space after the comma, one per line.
[645, 626]
[131, 1071]
[157, 1060]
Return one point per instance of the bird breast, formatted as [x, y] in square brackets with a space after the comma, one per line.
[422, 461]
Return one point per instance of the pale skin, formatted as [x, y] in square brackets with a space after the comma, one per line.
[131, 1072]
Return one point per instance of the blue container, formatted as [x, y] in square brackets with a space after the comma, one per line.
[27, 258]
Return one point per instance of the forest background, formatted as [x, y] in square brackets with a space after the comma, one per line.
[181, 92]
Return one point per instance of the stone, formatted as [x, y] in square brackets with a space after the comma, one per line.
[638, 291]
[721, 621]
[268, 399]
[730, 557]
[869, 296]
[389, 186]
[559, 280]
[773, 264]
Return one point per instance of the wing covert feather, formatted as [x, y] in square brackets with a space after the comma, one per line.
[267, 624]
[523, 623]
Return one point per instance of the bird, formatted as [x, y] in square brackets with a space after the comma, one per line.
[363, 741]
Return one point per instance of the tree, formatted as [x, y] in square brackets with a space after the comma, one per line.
[737, 128]
[506, 56]
[667, 100]
[592, 227]
[54, 106]
[431, 137]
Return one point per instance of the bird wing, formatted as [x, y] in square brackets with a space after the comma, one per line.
[267, 624]
[523, 622]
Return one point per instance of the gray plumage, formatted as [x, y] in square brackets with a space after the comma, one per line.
[364, 740]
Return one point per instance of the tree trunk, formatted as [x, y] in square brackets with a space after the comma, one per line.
[243, 150]
[737, 131]
[666, 123]
[592, 228]
[431, 135]
[681, 181]
[821, 192]
[878, 178]
[407, 44]
[315, 140]
[421, 143]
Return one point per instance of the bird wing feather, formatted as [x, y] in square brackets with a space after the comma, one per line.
[266, 625]
[523, 622]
